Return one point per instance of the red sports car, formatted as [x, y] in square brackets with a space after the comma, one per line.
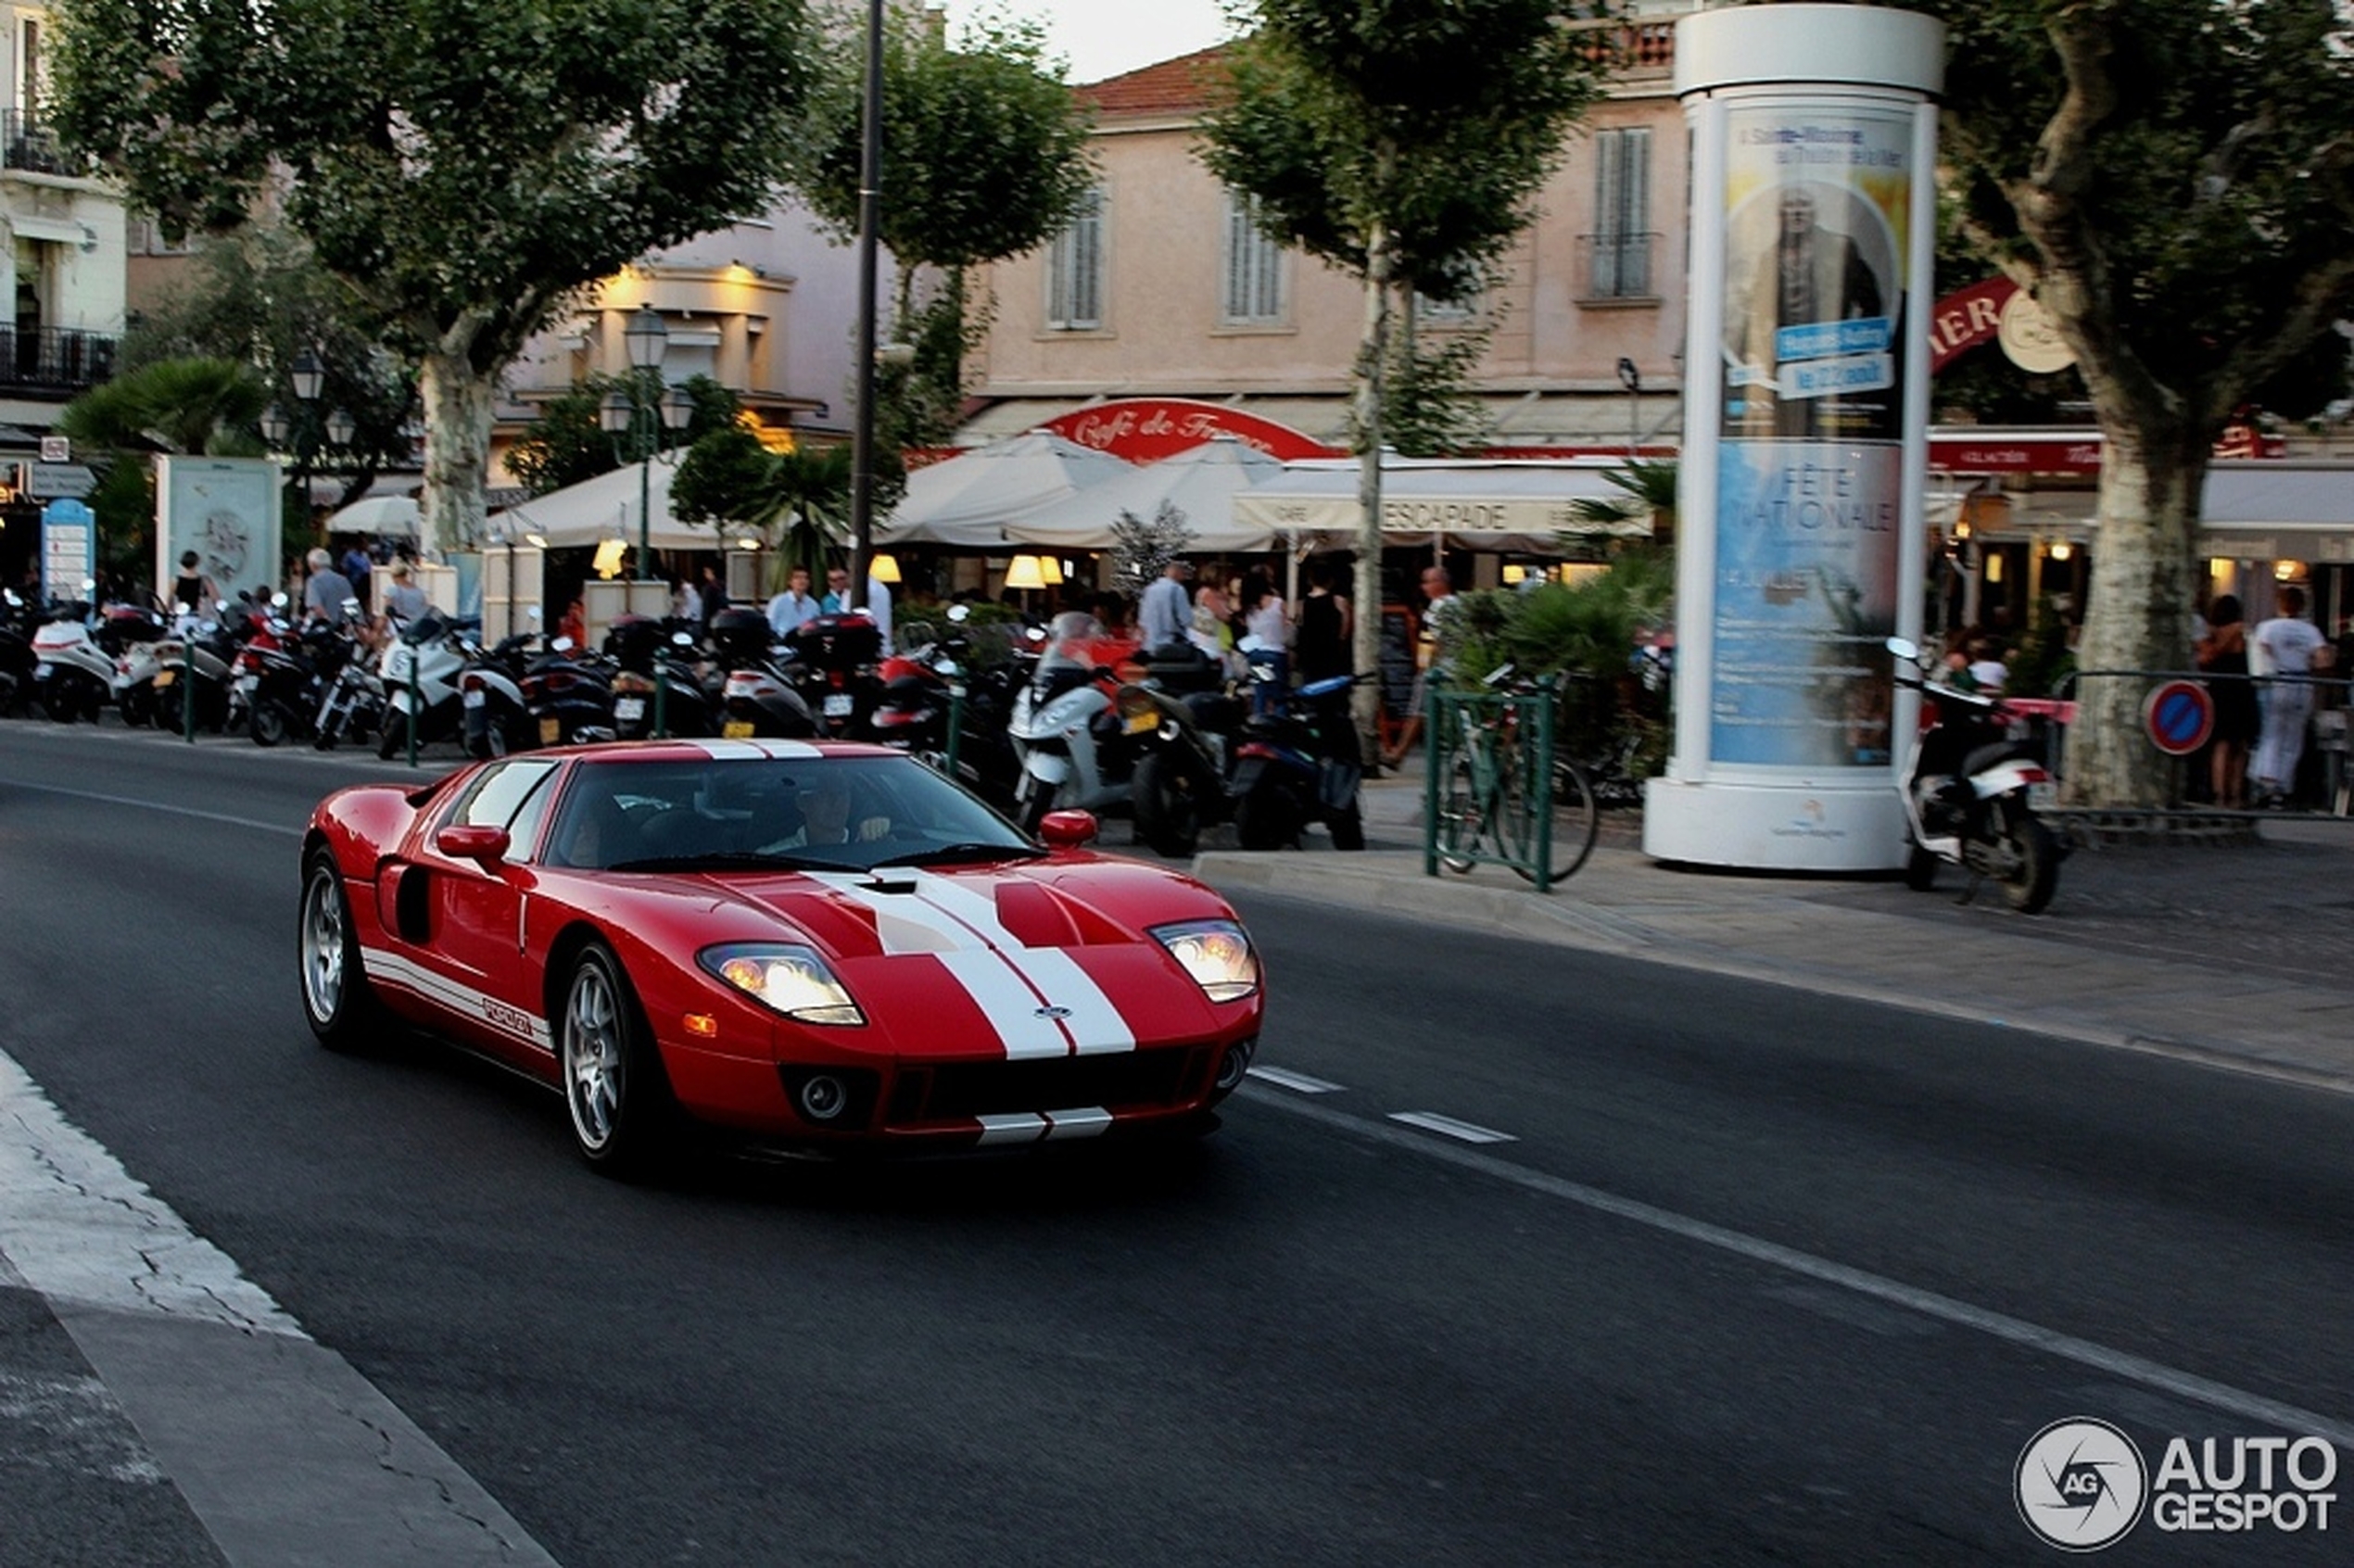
[823, 947]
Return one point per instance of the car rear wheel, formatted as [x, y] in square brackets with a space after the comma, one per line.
[613, 1091]
[342, 1011]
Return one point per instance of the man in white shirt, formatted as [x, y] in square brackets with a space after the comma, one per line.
[793, 606]
[1165, 612]
[2290, 648]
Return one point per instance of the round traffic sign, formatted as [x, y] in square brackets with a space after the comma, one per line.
[2180, 716]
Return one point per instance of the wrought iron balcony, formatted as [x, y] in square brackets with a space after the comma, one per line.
[56, 358]
[1619, 267]
[27, 143]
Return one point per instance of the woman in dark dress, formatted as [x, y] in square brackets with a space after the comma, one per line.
[2224, 653]
[1321, 646]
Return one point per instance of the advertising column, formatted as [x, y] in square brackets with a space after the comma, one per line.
[1805, 419]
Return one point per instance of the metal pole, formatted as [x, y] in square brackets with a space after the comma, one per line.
[862, 437]
[416, 705]
[645, 487]
[188, 681]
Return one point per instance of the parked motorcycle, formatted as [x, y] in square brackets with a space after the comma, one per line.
[156, 678]
[1074, 748]
[18, 622]
[1298, 765]
[831, 661]
[759, 698]
[494, 717]
[420, 669]
[1964, 787]
[1183, 721]
[935, 684]
[567, 696]
[353, 704]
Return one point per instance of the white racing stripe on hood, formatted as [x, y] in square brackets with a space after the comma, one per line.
[1011, 983]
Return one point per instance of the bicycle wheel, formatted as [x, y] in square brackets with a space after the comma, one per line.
[1576, 820]
[1458, 815]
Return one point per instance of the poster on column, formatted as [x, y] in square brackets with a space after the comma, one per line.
[227, 510]
[1811, 459]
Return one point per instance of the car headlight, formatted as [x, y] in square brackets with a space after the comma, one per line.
[783, 975]
[1216, 953]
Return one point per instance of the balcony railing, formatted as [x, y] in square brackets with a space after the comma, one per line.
[1619, 267]
[1631, 49]
[27, 143]
[55, 359]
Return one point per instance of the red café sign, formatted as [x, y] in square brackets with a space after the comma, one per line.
[1147, 429]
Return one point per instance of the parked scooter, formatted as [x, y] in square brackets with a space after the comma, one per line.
[831, 661]
[495, 718]
[156, 677]
[420, 669]
[1183, 721]
[1074, 749]
[73, 676]
[661, 685]
[567, 696]
[1298, 765]
[18, 622]
[1965, 785]
[930, 686]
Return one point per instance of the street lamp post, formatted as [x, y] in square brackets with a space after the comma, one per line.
[862, 434]
[648, 339]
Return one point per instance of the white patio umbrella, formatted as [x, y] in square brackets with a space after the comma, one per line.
[1201, 482]
[606, 508]
[382, 515]
[968, 500]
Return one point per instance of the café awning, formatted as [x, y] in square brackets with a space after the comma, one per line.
[1487, 504]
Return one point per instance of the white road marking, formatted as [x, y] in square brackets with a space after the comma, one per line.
[160, 805]
[1431, 1121]
[76, 1227]
[2274, 1414]
[249, 1419]
[1299, 1082]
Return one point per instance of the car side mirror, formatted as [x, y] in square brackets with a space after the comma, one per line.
[1068, 830]
[486, 846]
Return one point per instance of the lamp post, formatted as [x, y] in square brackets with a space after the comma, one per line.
[308, 375]
[862, 432]
[648, 339]
[1632, 379]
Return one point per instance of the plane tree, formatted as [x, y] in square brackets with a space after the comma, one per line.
[464, 168]
[2175, 183]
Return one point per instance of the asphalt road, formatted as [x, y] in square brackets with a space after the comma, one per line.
[1667, 1270]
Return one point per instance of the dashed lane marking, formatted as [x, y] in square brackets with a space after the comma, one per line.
[2276, 1414]
[1447, 1126]
[1297, 1082]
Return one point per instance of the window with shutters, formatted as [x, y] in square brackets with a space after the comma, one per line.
[1622, 239]
[1252, 293]
[1075, 269]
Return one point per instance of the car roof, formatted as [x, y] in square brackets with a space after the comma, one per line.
[678, 751]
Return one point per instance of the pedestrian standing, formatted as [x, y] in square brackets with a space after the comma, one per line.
[2287, 645]
[794, 607]
[2222, 653]
[327, 592]
[1431, 653]
[1163, 615]
[1320, 646]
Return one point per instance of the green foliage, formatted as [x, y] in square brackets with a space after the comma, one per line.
[985, 148]
[1336, 120]
[2204, 177]
[191, 407]
[728, 477]
[2044, 661]
[567, 442]
[1429, 409]
[1142, 551]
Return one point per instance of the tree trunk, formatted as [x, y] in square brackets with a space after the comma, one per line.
[458, 413]
[2137, 615]
[1373, 359]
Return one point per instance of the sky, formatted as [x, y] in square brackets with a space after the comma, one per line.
[1106, 37]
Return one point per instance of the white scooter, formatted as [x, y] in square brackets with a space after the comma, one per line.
[1068, 737]
[1966, 788]
[73, 676]
[419, 668]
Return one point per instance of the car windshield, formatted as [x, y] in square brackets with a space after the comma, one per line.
[819, 813]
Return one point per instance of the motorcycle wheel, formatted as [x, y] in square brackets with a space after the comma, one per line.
[2033, 856]
[268, 724]
[132, 706]
[61, 703]
[393, 738]
[1920, 870]
[1264, 820]
[1167, 816]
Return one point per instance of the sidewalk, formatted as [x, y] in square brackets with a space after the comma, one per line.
[2242, 956]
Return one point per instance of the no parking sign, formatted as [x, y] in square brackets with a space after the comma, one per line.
[2180, 716]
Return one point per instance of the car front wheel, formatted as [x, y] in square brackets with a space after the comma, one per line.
[613, 1091]
[336, 1001]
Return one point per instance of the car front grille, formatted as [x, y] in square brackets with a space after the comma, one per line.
[1129, 1079]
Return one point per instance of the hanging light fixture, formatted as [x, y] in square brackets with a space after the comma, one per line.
[1026, 573]
[884, 567]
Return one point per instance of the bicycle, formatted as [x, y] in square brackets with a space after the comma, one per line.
[1484, 797]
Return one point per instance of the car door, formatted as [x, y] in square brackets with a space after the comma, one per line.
[477, 910]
